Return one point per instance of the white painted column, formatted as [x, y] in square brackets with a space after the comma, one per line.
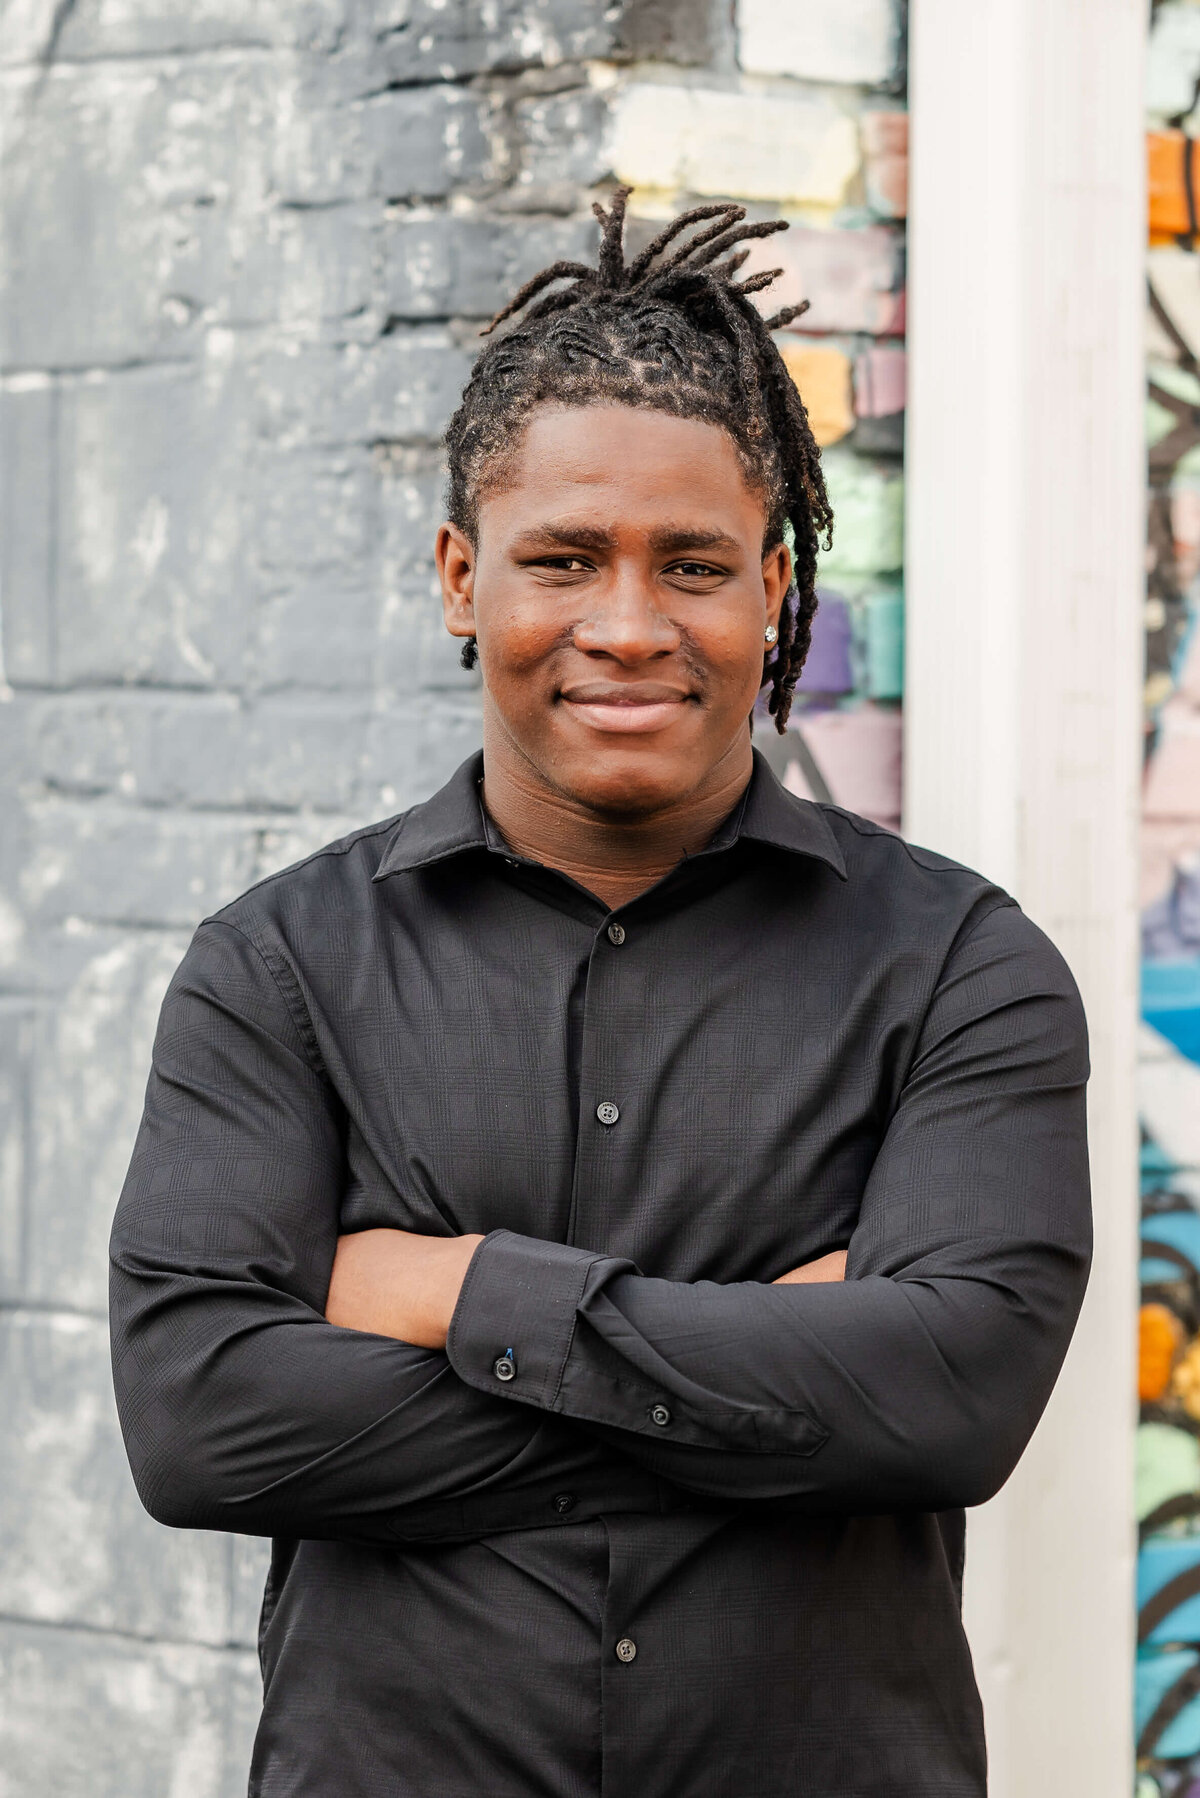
[1025, 473]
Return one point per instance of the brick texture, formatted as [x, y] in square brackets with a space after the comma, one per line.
[245, 246]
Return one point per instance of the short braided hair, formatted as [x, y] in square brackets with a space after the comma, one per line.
[672, 330]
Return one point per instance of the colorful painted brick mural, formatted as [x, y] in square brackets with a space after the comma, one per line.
[835, 165]
[846, 354]
[1167, 1684]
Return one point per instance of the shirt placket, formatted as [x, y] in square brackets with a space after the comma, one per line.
[659, 1649]
[610, 1122]
[607, 1149]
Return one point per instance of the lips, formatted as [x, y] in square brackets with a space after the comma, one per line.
[606, 706]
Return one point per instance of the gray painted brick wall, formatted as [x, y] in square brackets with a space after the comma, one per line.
[246, 246]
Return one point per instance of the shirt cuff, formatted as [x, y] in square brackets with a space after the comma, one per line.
[514, 1321]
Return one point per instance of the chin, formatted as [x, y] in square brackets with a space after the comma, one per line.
[629, 786]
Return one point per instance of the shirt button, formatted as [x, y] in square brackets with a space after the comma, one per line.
[660, 1415]
[616, 934]
[608, 1113]
[504, 1368]
[626, 1650]
[563, 1502]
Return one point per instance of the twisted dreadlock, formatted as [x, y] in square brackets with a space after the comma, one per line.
[675, 331]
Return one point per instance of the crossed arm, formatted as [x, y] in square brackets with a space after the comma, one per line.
[257, 1394]
[397, 1283]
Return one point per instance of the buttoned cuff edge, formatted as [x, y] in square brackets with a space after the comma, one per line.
[518, 1305]
[774, 1432]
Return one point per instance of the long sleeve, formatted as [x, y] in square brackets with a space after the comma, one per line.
[917, 1382]
[242, 1408]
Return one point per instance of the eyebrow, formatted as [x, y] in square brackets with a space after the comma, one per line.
[665, 541]
[566, 536]
[673, 539]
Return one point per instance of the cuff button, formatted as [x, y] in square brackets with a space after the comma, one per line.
[660, 1415]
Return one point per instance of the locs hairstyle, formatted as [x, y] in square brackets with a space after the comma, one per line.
[672, 330]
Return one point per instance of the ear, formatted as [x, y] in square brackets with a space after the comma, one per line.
[455, 556]
[777, 578]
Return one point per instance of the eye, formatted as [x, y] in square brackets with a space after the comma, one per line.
[695, 571]
[562, 564]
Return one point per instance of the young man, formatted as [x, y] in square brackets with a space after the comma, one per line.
[484, 1237]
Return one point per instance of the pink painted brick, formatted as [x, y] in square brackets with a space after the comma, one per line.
[1173, 778]
[850, 278]
[880, 381]
[885, 162]
[858, 752]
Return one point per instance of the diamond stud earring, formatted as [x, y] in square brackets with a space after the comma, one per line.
[771, 634]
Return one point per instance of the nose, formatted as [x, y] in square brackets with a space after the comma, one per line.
[627, 623]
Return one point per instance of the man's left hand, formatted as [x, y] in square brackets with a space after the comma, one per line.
[397, 1283]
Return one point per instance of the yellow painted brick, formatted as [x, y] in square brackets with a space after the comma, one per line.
[822, 374]
[753, 146]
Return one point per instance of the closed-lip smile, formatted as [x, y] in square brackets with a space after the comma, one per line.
[625, 706]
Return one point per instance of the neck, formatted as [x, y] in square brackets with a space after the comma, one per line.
[614, 855]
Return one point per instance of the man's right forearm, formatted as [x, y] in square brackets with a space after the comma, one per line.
[243, 1410]
[402, 1284]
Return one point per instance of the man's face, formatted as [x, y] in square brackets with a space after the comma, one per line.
[619, 595]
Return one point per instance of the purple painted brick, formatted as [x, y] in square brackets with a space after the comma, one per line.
[828, 668]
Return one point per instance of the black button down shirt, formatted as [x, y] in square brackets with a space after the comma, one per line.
[651, 1524]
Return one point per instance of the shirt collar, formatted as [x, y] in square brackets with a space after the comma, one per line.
[448, 824]
[454, 821]
[773, 815]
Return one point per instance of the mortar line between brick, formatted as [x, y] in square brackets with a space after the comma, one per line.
[43, 1309]
[52, 506]
[227, 1706]
[12, 371]
[67, 65]
[76, 1627]
[293, 690]
[25, 1193]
